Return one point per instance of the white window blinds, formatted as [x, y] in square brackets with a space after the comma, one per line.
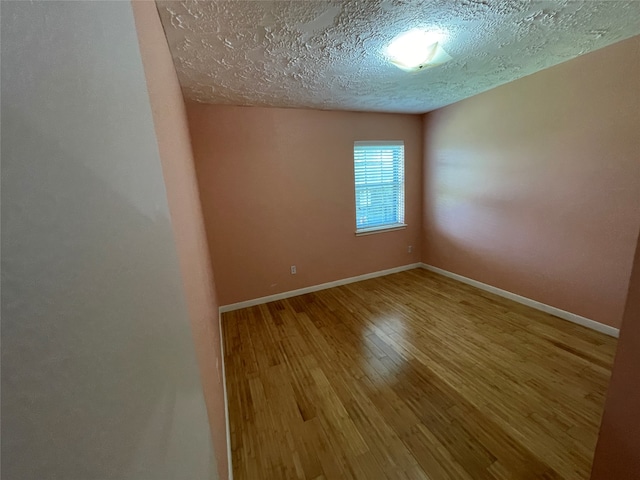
[379, 185]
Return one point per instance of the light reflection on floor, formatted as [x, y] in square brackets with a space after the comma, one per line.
[374, 361]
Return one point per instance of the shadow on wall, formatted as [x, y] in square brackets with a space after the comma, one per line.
[99, 379]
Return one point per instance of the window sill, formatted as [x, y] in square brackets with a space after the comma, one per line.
[382, 229]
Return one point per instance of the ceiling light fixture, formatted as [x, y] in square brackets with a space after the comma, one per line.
[415, 50]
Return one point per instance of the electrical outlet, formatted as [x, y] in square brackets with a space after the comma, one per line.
[410, 249]
[293, 270]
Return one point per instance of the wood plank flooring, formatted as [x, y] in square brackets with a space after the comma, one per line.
[411, 376]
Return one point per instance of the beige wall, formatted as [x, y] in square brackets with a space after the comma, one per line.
[618, 451]
[534, 187]
[172, 133]
[277, 190]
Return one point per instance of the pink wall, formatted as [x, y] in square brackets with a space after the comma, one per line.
[534, 187]
[170, 120]
[277, 190]
[618, 450]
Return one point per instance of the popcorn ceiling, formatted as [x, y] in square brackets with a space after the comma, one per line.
[328, 54]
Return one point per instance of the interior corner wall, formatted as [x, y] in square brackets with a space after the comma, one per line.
[174, 145]
[534, 187]
[277, 190]
[99, 373]
[618, 450]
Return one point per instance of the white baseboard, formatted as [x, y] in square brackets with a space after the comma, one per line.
[571, 317]
[315, 288]
[226, 400]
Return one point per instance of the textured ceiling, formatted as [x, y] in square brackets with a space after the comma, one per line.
[328, 54]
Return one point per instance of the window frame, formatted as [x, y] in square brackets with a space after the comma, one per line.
[398, 192]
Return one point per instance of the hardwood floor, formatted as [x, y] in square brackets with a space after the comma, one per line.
[411, 376]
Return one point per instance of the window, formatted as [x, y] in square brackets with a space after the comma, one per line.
[379, 185]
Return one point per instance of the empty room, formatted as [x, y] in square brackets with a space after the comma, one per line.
[320, 240]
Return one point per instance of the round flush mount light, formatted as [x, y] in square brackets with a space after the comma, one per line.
[416, 49]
